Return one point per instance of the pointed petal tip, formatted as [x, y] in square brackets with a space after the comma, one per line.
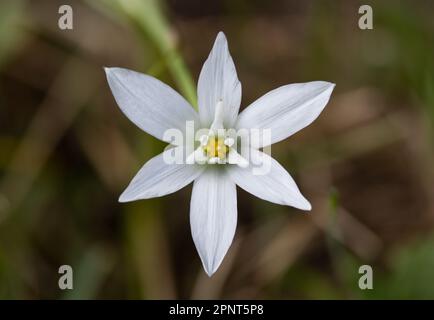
[329, 85]
[304, 205]
[123, 198]
[326, 84]
[301, 204]
[113, 70]
[209, 273]
[221, 38]
[307, 207]
[221, 34]
[209, 268]
[109, 72]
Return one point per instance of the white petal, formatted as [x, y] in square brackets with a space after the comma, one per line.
[218, 81]
[235, 158]
[267, 179]
[152, 105]
[213, 217]
[197, 156]
[285, 110]
[158, 178]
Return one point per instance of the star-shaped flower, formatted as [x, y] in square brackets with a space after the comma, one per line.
[216, 163]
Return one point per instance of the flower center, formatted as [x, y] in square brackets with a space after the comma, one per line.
[216, 147]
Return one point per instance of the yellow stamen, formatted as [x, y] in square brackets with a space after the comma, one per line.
[216, 148]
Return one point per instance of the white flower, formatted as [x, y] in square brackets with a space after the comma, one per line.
[155, 108]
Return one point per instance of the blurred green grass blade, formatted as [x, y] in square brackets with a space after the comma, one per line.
[11, 15]
[409, 273]
[148, 17]
[414, 38]
[11, 284]
[148, 252]
[90, 273]
[308, 283]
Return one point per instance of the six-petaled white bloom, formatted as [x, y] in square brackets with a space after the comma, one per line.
[216, 165]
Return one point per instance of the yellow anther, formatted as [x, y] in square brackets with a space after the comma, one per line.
[216, 148]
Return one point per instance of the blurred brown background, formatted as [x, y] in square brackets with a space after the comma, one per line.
[67, 152]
